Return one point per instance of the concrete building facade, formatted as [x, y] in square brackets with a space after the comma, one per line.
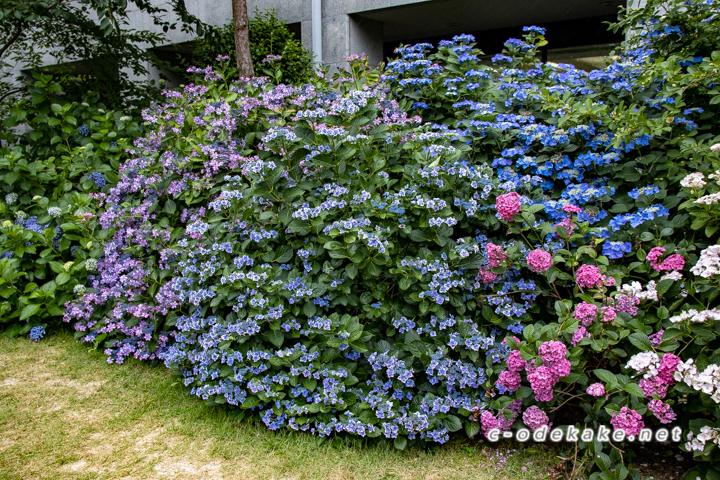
[334, 29]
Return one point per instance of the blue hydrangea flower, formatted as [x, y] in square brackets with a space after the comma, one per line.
[98, 179]
[36, 333]
[84, 130]
[615, 250]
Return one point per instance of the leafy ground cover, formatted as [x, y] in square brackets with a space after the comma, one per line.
[65, 413]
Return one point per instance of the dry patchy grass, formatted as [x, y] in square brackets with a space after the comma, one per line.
[66, 414]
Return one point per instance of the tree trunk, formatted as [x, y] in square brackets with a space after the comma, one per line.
[242, 39]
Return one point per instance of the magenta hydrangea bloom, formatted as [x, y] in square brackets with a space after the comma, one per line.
[510, 380]
[589, 276]
[535, 418]
[486, 276]
[628, 420]
[542, 381]
[586, 313]
[570, 208]
[508, 205]
[539, 261]
[672, 263]
[668, 366]
[488, 422]
[596, 390]
[515, 362]
[654, 255]
[653, 385]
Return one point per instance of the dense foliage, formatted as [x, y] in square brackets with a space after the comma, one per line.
[90, 36]
[268, 36]
[447, 246]
[54, 157]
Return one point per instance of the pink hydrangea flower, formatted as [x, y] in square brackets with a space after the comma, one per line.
[542, 381]
[628, 420]
[508, 205]
[627, 304]
[653, 385]
[607, 314]
[586, 313]
[673, 263]
[515, 362]
[589, 276]
[535, 418]
[668, 366]
[656, 338]
[486, 276]
[654, 255]
[570, 208]
[510, 380]
[662, 411]
[578, 335]
[539, 261]
[596, 390]
[552, 351]
[496, 255]
[488, 422]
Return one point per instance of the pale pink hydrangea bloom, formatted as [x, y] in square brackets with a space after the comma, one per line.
[578, 335]
[596, 390]
[508, 205]
[539, 261]
[486, 276]
[607, 314]
[495, 254]
[693, 181]
[708, 264]
[662, 411]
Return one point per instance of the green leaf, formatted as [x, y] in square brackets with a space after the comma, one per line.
[62, 278]
[170, 206]
[400, 443]
[452, 423]
[276, 337]
[634, 389]
[605, 376]
[641, 341]
[29, 311]
[472, 428]
[418, 236]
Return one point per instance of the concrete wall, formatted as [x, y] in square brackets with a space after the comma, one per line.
[357, 26]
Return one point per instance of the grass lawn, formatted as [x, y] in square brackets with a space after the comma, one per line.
[66, 414]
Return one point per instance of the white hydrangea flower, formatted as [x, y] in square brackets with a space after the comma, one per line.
[707, 381]
[675, 276]
[709, 199]
[715, 147]
[707, 433]
[644, 362]
[694, 180]
[708, 264]
[697, 317]
[635, 289]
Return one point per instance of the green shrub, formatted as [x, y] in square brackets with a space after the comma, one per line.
[268, 36]
[56, 157]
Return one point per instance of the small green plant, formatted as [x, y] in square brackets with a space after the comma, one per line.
[268, 36]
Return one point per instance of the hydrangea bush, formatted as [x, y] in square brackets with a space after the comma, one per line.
[55, 157]
[450, 245]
